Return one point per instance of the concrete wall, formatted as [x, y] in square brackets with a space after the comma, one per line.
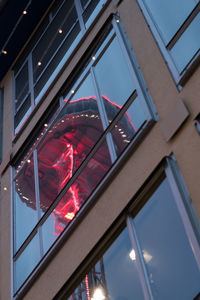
[185, 145]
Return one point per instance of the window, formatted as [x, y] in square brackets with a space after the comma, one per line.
[152, 258]
[175, 25]
[49, 49]
[99, 116]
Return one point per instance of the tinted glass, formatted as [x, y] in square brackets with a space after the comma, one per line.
[173, 271]
[24, 203]
[113, 79]
[188, 45]
[169, 15]
[24, 265]
[76, 196]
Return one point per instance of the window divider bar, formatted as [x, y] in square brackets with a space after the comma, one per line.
[79, 11]
[104, 117]
[37, 199]
[75, 175]
[30, 75]
[143, 275]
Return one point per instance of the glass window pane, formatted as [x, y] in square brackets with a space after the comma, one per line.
[187, 46]
[128, 126]
[114, 276]
[21, 85]
[121, 273]
[91, 10]
[22, 113]
[68, 142]
[55, 46]
[76, 196]
[24, 265]
[57, 61]
[173, 271]
[113, 76]
[24, 204]
[170, 15]
[53, 37]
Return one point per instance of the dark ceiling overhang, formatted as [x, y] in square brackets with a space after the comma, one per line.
[16, 28]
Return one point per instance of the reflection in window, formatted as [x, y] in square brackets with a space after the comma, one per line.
[170, 15]
[172, 269]
[51, 46]
[75, 150]
[114, 276]
[159, 233]
[178, 26]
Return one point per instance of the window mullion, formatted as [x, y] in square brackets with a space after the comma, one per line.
[103, 116]
[143, 275]
[79, 11]
[37, 198]
[30, 75]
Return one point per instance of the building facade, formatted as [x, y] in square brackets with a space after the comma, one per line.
[100, 141]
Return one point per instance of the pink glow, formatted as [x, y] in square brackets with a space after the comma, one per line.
[87, 287]
[59, 156]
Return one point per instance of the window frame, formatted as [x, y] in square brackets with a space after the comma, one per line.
[179, 78]
[28, 59]
[167, 169]
[149, 110]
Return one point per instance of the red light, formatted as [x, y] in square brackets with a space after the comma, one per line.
[62, 151]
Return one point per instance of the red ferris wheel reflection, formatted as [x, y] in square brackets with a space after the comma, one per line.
[61, 152]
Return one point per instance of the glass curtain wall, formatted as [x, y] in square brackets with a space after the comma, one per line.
[98, 117]
[49, 49]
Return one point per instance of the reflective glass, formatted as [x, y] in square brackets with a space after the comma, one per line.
[172, 269]
[76, 196]
[25, 217]
[68, 142]
[121, 273]
[169, 15]
[91, 11]
[57, 61]
[23, 113]
[113, 79]
[187, 46]
[26, 262]
[53, 38]
[129, 124]
[114, 276]
[21, 86]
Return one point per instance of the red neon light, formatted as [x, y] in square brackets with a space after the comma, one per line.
[87, 287]
[61, 153]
